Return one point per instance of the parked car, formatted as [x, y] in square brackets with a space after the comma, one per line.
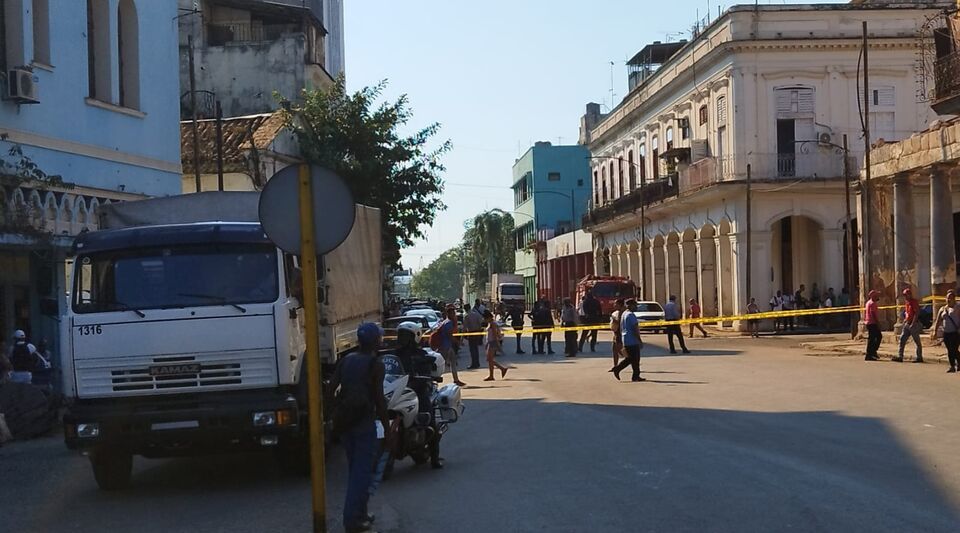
[649, 312]
[433, 317]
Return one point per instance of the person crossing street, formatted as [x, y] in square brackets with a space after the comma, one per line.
[672, 311]
[632, 343]
[911, 326]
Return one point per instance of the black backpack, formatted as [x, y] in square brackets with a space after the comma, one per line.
[21, 359]
[351, 406]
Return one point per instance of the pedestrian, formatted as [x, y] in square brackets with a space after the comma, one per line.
[478, 305]
[590, 315]
[776, 305]
[448, 344]
[546, 322]
[534, 315]
[872, 319]
[911, 326]
[492, 346]
[615, 316]
[23, 358]
[694, 312]
[358, 379]
[473, 325]
[516, 322]
[753, 324]
[672, 312]
[788, 305]
[949, 317]
[632, 343]
[800, 302]
[569, 319]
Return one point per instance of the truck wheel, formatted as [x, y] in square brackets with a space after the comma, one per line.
[111, 468]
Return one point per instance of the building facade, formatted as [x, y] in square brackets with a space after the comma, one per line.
[90, 117]
[551, 193]
[247, 50]
[911, 197]
[721, 175]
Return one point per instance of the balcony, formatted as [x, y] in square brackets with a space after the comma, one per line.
[947, 74]
[247, 32]
[651, 192]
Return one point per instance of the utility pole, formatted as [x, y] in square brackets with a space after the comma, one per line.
[643, 241]
[749, 238]
[850, 281]
[220, 146]
[193, 111]
[865, 189]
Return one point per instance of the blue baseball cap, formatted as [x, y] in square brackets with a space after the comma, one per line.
[369, 333]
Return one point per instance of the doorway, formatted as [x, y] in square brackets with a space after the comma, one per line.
[786, 148]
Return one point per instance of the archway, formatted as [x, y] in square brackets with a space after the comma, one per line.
[725, 264]
[659, 270]
[796, 254]
[709, 296]
[674, 266]
[633, 255]
[690, 284]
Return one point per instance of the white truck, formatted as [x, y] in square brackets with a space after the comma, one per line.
[184, 331]
[509, 289]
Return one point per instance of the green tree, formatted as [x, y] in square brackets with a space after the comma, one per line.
[489, 244]
[354, 136]
[442, 278]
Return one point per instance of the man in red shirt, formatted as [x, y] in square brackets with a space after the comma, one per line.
[911, 325]
[872, 319]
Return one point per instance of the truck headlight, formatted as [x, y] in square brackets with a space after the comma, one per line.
[88, 431]
[265, 418]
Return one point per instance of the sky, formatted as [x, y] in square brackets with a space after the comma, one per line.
[499, 75]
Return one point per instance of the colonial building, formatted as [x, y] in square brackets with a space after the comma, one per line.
[245, 50]
[720, 176]
[551, 190]
[911, 196]
[89, 116]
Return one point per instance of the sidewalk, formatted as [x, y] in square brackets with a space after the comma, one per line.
[888, 350]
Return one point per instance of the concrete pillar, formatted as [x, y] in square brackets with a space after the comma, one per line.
[707, 276]
[831, 270]
[904, 237]
[633, 251]
[689, 266]
[669, 285]
[943, 268]
[738, 276]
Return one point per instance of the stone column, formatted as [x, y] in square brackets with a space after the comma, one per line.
[651, 287]
[668, 287]
[904, 241]
[831, 269]
[943, 269]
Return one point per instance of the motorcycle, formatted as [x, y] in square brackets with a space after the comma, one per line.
[410, 430]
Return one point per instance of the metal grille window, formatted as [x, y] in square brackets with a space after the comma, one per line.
[704, 115]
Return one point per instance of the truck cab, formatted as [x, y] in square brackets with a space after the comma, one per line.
[179, 339]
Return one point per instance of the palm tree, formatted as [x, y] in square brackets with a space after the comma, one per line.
[489, 236]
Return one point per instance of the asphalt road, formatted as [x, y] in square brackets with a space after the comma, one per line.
[742, 435]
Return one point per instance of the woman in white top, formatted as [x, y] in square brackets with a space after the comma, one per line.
[949, 317]
[492, 341]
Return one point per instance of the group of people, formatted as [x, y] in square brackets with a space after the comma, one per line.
[787, 301]
[946, 326]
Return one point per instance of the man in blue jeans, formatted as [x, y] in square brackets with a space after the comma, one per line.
[632, 343]
[360, 375]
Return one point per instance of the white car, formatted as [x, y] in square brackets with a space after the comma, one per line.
[432, 316]
[649, 312]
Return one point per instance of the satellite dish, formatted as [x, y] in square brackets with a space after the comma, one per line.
[333, 209]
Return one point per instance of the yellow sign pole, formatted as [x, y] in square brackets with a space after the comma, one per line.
[308, 258]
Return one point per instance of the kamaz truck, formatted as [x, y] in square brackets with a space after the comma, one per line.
[184, 332]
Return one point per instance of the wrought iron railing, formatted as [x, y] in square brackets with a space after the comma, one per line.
[247, 32]
[947, 72]
[651, 192]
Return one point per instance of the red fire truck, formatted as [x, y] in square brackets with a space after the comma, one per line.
[606, 289]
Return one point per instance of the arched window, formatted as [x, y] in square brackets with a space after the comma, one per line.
[610, 186]
[99, 71]
[596, 189]
[620, 176]
[642, 163]
[631, 170]
[655, 154]
[670, 138]
[603, 184]
[128, 50]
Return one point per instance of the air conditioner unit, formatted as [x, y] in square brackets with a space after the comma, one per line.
[22, 87]
[826, 138]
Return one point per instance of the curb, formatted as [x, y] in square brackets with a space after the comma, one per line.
[859, 350]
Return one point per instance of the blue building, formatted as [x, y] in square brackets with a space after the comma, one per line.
[551, 193]
[89, 115]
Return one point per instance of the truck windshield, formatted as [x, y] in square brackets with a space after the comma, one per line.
[511, 290]
[175, 276]
[613, 290]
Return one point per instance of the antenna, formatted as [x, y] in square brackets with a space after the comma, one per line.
[613, 94]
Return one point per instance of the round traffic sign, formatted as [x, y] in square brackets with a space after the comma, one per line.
[333, 209]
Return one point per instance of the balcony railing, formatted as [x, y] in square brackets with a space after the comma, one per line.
[947, 73]
[651, 192]
[247, 32]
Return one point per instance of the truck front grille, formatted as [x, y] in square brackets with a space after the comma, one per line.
[211, 374]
